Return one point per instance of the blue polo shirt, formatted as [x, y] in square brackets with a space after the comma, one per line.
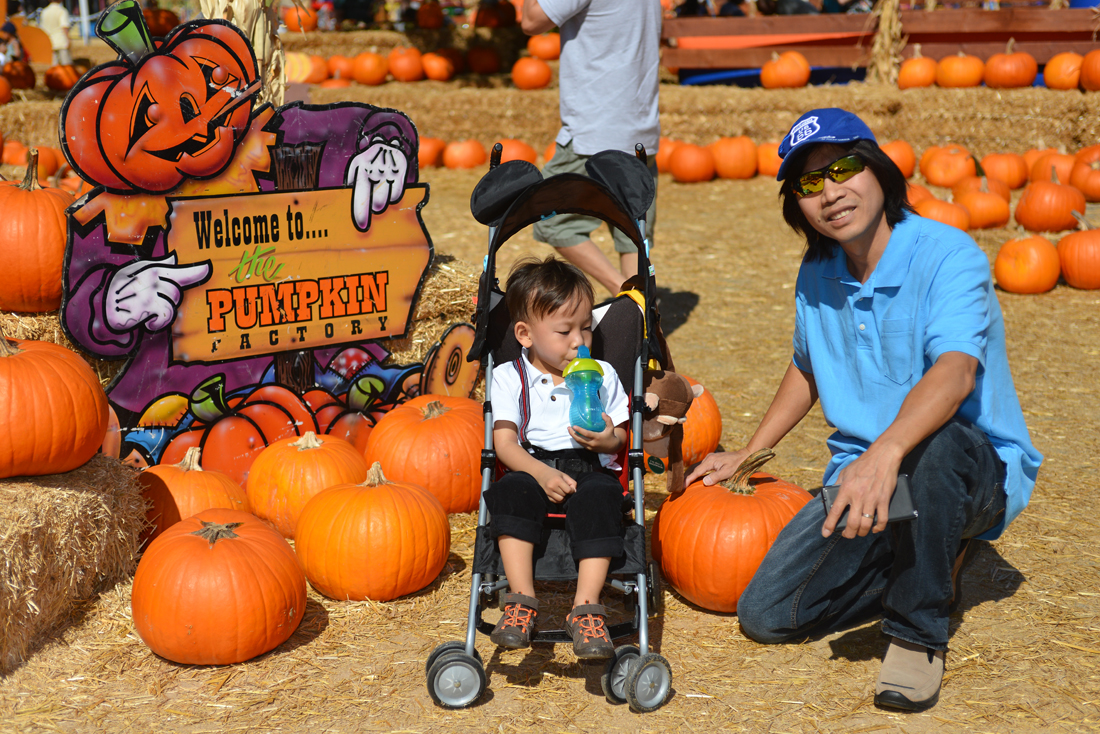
[868, 344]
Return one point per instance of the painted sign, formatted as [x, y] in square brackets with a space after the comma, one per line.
[247, 262]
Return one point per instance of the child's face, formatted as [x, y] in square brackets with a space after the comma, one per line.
[552, 340]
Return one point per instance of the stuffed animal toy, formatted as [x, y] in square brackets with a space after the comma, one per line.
[667, 397]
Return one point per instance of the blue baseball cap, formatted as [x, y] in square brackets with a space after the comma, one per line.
[825, 125]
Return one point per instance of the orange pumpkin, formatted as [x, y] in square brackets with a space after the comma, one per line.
[335, 84]
[377, 540]
[433, 441]
[1033, 155]
[1027, 265]
[692, 164]
[483, 60]
[901, 153]
[917, 193]
[1048, 206]
[289, 472]
[1011, 69]
[300, 18]
[1063, 71]
[1085, 177]
[961, 70]
[788, 69]
[1090, 71]
[431, 152]
[217, 588]
[5, 91]
[437, 67]
[734, 157]
[981, 183]
[711, 540]
[987, 209]
[948, 166]
[545, 46]
[702, 429]
[1079, 253]
[665, 148]
[456, 57]
[548, 154]
[34, 216]
[1048, 164]
[318, 70]
[15, 153]
[405, 64]
[917, 71]
[768, 160]
[1011, 168]
[517, 150]
[340, 67]
[62, 78]
[178, 491]
[19, 74]
[370, 68]
[531, 73]
[54, 407]
[464, 154]
[945, 212]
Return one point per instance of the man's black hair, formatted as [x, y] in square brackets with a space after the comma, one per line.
[890, 178]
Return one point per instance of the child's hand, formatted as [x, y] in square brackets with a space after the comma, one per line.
[607, 441]
[557, 485]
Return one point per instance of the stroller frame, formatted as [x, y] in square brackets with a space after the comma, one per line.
[511, 196]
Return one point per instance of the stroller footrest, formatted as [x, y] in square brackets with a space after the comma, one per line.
[554, 557]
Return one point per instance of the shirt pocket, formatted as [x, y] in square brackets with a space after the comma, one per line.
[896, 336]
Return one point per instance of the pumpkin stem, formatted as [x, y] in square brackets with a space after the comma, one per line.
[30, 178]
[191, 460]
[739, 482]
[308, 441]
[1081, 221]
[375, 477]
[978, 170]
[433, 409]
[1009, 46]
[212, 532]
[916, 51]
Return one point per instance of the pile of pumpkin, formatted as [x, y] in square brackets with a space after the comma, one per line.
[52, 169]
[1008, 70]
[408, 64]
[20, 75]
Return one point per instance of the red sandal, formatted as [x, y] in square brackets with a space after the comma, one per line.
[587, 625]
[517, 625]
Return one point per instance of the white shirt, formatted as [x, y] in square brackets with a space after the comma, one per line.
[55, 22]
[548, 427]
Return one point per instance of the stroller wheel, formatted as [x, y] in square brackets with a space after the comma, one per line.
[447, 647]
[456, 680]
[648, 682]
[655, 589]
[613, 680]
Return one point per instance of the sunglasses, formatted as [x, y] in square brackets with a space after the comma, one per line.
[838, 171]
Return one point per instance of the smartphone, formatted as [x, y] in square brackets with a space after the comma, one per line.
[901, 504]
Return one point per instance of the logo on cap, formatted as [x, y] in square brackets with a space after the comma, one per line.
[805, 129]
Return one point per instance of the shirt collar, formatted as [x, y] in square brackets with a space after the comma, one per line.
[533, 373]
[892, 267]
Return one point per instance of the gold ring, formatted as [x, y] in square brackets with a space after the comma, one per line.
[869, 517]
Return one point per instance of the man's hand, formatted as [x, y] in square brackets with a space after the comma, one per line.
[866, 486]
[149, 292]
[377, 178]
[716, 467]
[607, 441]
[557, 485]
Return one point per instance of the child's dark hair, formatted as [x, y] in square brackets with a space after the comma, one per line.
[539, 287]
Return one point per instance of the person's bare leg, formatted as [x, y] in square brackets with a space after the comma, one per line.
[591, 576]
[591, 260]
[518, 556]
[628, 263]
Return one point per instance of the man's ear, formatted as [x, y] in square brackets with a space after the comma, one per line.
[523, 334]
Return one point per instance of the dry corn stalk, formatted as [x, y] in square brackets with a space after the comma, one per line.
[259, 20]
[888, 43]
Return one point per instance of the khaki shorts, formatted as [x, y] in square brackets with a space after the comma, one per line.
[569, 230]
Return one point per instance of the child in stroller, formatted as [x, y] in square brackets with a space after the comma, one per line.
[555, 467]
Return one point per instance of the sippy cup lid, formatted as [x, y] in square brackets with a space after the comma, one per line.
[582, 362]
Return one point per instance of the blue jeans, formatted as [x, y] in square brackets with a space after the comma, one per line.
[808, 584]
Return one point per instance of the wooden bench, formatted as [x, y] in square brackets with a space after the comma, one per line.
[843, 40]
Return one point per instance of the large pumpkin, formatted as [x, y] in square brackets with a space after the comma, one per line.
[464, 154]
[1048, 206]
[960, 70]
[787, 69]
[178, 491]
[1079, 253]
[1063, 71]
[289, 472]
[985, 208]
[546, 46]
[531, 73]
[692, 163]
[1011, 69]
[710, 540]
[947, 166]
[945, 212]
[438, 67]
[19, 74]
[370, 68]
[517, 150]
[734, 157]
[62, 77]
[300, 18]
[1027, 265]
[903, 156]
[405, 64]
[377, 540]
[53, 411]
[433, 441]
[702, 428]
[176, 113]
[917, 71]
[1008, 167]
[219, 587]
[1090, 71]
[33, 230]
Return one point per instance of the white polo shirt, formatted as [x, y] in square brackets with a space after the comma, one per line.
[548, 427]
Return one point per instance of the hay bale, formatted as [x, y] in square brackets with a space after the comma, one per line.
[63, 539]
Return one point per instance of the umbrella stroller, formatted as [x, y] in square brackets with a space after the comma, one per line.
[511, 196]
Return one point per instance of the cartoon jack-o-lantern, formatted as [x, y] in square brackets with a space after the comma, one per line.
[171, 110]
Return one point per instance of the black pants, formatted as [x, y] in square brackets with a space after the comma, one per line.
[593, 514]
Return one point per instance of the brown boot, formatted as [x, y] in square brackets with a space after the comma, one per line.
[517, 624]
[910, 678]
[587, 625]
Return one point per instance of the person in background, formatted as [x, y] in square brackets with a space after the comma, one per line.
[898, 333]
[10, 49]
[608, 79]
[55, 22]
